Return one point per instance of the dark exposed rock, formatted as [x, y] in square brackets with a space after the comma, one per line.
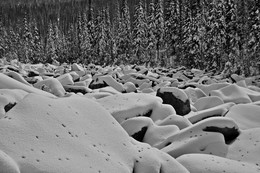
[9, 106]
[33, 73]
[139, 136]
[96, 85]
[181, 107]
[230, 134]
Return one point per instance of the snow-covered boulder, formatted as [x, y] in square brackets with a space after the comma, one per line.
[73, 134]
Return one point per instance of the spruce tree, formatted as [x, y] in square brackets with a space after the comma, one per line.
[115, 32]
[27, 40]
[50, 50]
[254, 41]
[231, 46]
[108, 36]
[215, 32]
[102, 40]
[92, 35]
[125, 39]
[172, 28]
[85, 45]
[37, 46]
[159, 29]
[2, 40]
[150, 34]
[139, 34]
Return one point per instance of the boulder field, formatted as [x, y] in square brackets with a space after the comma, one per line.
[127, 119]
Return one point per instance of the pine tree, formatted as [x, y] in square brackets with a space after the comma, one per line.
[97, 38]
[215, 32]
[243, 33]
[231, 46]
[4, 41]
[150, 34]
[139, 34]
[254, 42]
[115, 32]
[189, 29]
[85, 45]
[60, 43]
[102, 40]
[79, 36]
[125, 39]
[172, 28]
[50, 50]
[159, 29]
[27, 40]
[37, 46]
[92, 35]
[109, 37]
[12, 43]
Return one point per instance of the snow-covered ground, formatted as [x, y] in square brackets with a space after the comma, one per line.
[74, 118]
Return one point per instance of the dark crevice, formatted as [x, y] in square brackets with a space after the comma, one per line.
[9, 106]
[154, 83]
[133, 169]
[13, 69]
[161, 169]
[225, 113]
[124, 91]
[230, 134]
[33, 74]
[148, 114]
[210, 116]
[167, 144]
[97, 85]
[187, 86]
[76, 90]
[140, 78]
[139, 136]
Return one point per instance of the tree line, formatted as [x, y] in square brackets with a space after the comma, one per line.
[193, 33]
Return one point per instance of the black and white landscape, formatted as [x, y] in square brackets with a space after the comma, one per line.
[129, 87]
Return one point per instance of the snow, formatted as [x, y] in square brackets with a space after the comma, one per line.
[71, 118]
[72, 135]
[204, 163]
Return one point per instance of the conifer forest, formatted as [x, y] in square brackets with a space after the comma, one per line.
[166, 33]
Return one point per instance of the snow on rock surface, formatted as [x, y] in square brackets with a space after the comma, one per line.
[77, 118]
[9, 83]
[129, 105]
[211, 136]
[7, 164]
[9, 98]
[208, 102]
[143, 129]
[232, 93]
[205, 163]
[51, 85]
[74, 135]
[246, 116]
[246, 147]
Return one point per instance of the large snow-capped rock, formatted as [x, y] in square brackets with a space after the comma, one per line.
[129, 105]
[73, 134]
[246, 116]
[7, 82]
[210, 136]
